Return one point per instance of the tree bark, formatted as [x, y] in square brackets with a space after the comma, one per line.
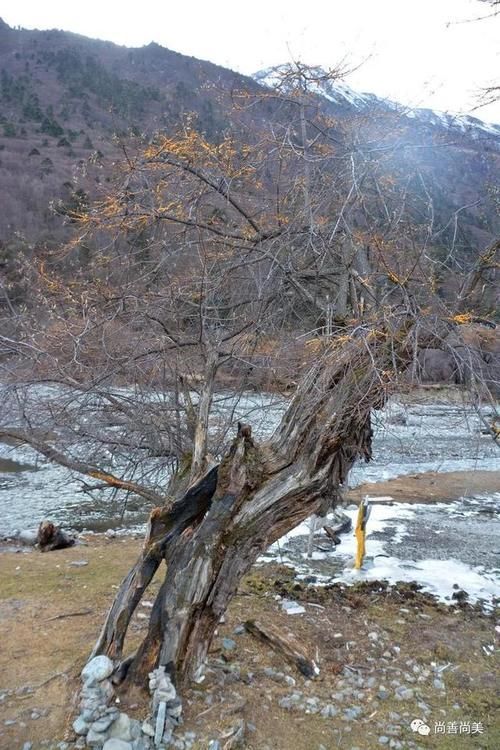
[165, 526]
[262, 492]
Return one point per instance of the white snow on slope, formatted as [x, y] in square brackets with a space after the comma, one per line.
[340, 93]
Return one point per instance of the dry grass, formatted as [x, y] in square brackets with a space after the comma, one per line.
[47, 654]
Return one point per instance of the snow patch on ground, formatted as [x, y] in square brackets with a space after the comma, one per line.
[442, 578]
[439, 577]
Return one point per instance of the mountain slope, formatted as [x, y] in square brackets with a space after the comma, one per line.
[63, 97]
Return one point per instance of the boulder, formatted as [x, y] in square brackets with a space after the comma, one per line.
[121, 729]
[97, 669]
[28, 537]
[116, 744]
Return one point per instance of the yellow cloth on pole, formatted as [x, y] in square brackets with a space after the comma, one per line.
[360, 533]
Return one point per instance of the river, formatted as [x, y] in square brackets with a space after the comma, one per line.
[408, 439]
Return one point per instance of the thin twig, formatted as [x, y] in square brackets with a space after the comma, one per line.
[71, 614]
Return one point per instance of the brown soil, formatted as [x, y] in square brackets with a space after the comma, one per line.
[430, 487]
[51, 612]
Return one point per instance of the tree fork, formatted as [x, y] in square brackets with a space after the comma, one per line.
[257, 494]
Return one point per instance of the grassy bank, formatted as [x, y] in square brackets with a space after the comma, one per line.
[52, 606]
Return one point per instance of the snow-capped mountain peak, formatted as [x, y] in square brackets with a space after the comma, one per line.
[315, 81]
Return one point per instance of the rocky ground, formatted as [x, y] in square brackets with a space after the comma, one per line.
[387, 657]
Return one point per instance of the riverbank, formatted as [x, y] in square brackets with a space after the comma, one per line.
[427, 435]
[386, 657]
[429, 487]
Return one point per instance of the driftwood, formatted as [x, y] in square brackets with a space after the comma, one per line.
[331, 534]
[51, 537]
[286, 646]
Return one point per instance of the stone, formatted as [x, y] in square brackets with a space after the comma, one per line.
[287, 702]
[78, 563]
[97, 669]
[228, 644]
[142, 743]
[214, 745]
[164, 695]
[107, 691]
[120, 728]
[352, 713]
[116, 744]
[160, 722]
[148, 729]
[404, 694]
[103, 723]
[28, 537]
[239, 630]
[80, 726]
[174, 708]
[328, 711]
[90, 714]
[135, 729]
[439, 684]
[28, 746]
[95, 739]
[383, 740]
[167, 733]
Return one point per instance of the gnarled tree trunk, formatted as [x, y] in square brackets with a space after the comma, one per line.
[257, 494]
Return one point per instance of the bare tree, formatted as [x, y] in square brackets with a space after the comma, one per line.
[211, 259]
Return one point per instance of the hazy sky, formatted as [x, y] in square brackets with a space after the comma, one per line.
[420, 52]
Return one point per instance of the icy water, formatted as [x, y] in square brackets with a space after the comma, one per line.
[446, 547]
[32, 489]
[408, 440]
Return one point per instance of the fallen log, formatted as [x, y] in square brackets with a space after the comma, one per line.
[286, 646]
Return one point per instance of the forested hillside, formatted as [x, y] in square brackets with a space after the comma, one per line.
[67, 102]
